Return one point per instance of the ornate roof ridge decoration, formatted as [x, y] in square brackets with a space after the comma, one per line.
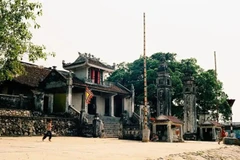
[87, 58]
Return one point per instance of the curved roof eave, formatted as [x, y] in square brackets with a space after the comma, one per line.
[103, 68]
[72, 66]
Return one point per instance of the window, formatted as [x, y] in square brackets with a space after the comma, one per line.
[95, 76]
[168, 82]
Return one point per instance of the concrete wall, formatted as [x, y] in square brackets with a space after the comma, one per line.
[81, 73]
[100, 105]
[77, 100]
[59, 102]
[127, 104]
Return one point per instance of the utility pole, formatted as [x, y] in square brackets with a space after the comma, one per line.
[145, 131]
[215, 63]
[231, 102]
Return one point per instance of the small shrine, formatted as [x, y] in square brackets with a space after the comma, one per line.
[209, 130]
[168, 128]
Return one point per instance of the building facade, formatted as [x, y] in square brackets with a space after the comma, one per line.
[68, 88]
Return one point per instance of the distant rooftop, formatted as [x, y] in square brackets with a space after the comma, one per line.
[85, 58]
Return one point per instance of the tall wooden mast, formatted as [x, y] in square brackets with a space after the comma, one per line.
[145, 136]
[215, 64]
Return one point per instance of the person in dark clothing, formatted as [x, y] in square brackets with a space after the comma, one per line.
[49, 131]
[98, 126]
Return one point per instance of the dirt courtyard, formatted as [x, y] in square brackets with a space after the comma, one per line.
[78, 148]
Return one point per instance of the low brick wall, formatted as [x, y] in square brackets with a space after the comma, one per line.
[111, 125]
[131, 132]
[16, 101]
[15, 112]
[16, 122]
[35, 126]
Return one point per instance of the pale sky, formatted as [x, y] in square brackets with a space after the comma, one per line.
[112, 30]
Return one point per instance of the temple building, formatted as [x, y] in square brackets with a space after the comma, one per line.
[68, 88]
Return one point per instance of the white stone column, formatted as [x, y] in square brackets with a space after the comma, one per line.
[111, 109]
[84, 106]
[132, 101]
[154, 128]
[214, 133]
[181, 132]
[69, 92]
[169, 132]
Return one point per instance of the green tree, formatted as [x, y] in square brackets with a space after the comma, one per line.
[210, 95]
[16, 19]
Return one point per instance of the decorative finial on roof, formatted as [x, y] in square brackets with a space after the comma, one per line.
[92, 56]
[89, 55]
[188, 70]
[79, 53]
[114, 65]
[85, 54]
[63, 61]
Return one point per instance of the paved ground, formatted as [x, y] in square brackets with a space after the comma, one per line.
[78, 148]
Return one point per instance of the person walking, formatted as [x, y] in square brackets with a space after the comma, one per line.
[222, 134]
[49, 131]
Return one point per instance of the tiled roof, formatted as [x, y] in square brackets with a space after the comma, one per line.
[111, 88]
[98, 63]
[91, 60]
[212, 123]
[169, 118]
[76, 80]
[34, 74]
